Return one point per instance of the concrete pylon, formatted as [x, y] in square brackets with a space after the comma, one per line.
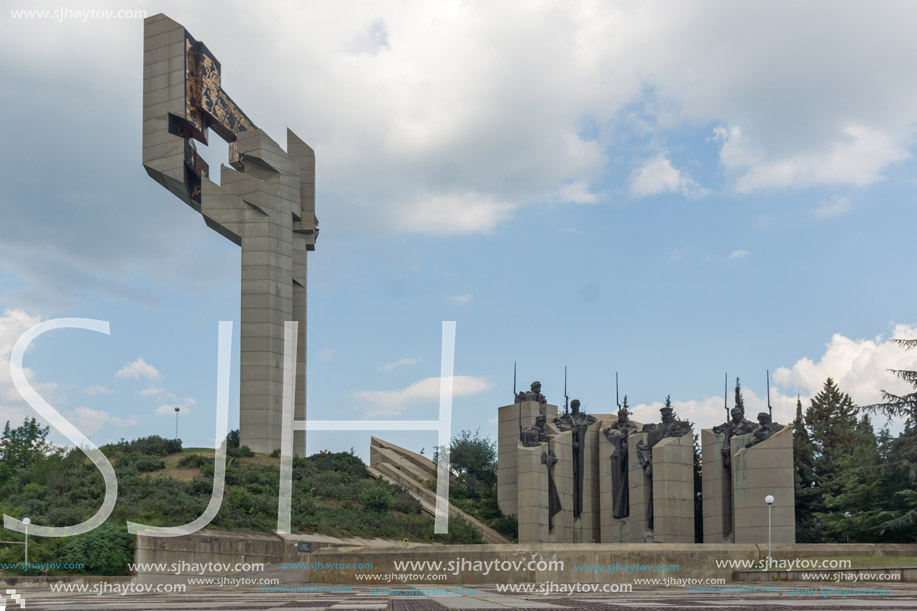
[265, 203]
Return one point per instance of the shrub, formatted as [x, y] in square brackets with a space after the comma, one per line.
[193, 460]
[240, 452]
[106, 550]
[377, 498]
[232, 439]
[405, 503]
[145, 464]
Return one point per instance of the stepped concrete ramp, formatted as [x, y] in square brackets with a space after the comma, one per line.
[411, 472]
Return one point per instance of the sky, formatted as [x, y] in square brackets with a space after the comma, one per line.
[667, 190]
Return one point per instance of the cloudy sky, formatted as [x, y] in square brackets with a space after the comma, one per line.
[670, 190]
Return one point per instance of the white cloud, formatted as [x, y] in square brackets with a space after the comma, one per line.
[152, 391]
[859, 367]
[575, 192]
[386, 403]
[389, 367]
[138, 369]
[836, 206]
[169, 410]
[373, 40]
[738, 254]
[856, 157]
[461, 299]
[444, 109]
[449, 213]
[13, 324]
[98, 389]
[658, 175]
[91, 421]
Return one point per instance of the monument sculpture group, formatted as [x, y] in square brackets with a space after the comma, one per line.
[574, 477]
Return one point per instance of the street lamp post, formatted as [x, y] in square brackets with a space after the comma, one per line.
[26, 521]
[177, 408]
[769, 499]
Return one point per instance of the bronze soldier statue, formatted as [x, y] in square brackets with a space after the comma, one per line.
[536, 435]
[738, 425]
[532, 395]
[533, 436]
[549, 459]
[669, 427]
[765, 429]
[617, 434]
[577, 422]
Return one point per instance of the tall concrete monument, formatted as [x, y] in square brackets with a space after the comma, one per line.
[265, 203]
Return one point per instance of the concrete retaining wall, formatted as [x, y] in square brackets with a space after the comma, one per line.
[693, 560]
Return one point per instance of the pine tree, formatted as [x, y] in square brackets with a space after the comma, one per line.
[803, 453]
[899, 467]
[831, 420]
[804, 479]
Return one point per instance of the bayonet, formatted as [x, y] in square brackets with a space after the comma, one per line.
[566, 397]
[617, 400]
[518, 403]
[726, 395]
[770, 410]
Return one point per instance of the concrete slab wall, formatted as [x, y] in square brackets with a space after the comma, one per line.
[673, 490]
[763, 469]
[716, 488]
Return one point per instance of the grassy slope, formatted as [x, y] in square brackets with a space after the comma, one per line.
[332, 494]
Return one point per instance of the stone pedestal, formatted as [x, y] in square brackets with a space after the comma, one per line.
[758, 471]
[586, 527]
[507, 442]
[562, 444]
[673, 490]
[533, 494]
[716, 486]
[634, 528]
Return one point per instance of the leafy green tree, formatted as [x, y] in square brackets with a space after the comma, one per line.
[473, 459]
[23, 445]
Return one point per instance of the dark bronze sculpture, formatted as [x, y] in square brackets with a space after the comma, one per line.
[533, 436]
[532, 395]
[738, 425]
[669, 427]
[549, 459]
[577, 422]
[617, 434]
[765, 429]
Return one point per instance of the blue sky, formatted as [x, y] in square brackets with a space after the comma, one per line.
[666, 190]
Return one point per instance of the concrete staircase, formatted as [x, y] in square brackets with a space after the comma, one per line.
[410, 471]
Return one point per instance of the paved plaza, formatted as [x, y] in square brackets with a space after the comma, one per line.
[903, 596]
